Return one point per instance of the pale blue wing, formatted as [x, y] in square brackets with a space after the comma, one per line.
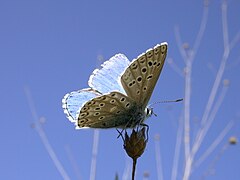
[74, 101]
[107, 79]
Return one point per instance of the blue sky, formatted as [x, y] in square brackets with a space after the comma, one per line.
[52, 47]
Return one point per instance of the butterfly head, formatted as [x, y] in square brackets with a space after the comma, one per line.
[148, 112]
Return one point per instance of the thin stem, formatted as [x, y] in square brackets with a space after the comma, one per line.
[200, 32]
[221, 68]
[235, 40]
[225, 26]
[127, 170]
[134, 168]
[175, 67]
[180, 43]
[205, 118]
[44, 138]
[94, 154]
[73, 162]
[213, 145]
[158, 158]
[187, 93]
[187, 100]
[212, 114]
[189, 61]
[215, 160]
[177, 149]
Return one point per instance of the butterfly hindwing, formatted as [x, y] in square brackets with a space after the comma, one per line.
[72, 102]
[108, 111]
[140, 78]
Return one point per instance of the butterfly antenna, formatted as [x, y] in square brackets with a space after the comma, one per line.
[166, 101]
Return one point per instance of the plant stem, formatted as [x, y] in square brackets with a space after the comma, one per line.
[134, 167]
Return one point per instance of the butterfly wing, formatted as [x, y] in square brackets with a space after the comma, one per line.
[140, 78]
[102, 80]
[110, 110]
[107, 78]
[72, 102]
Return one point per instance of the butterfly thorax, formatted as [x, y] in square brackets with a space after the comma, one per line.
[136, 116]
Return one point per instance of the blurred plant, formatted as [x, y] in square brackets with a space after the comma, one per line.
[37, 125]
[192, 144]
[135, 143]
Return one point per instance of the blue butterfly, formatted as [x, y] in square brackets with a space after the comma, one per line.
[118, 93]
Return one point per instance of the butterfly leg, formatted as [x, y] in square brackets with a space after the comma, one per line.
[145, 125]
[120, 133]
[124, 128]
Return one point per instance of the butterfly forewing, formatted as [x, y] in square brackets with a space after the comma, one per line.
[107, 111]
[140, 78]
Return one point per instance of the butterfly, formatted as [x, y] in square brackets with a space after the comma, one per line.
[118, 92]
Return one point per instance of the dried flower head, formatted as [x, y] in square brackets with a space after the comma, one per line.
[136, 143]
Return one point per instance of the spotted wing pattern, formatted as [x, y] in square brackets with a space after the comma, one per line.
[73, 102]
[110, 110]
[140, 78]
